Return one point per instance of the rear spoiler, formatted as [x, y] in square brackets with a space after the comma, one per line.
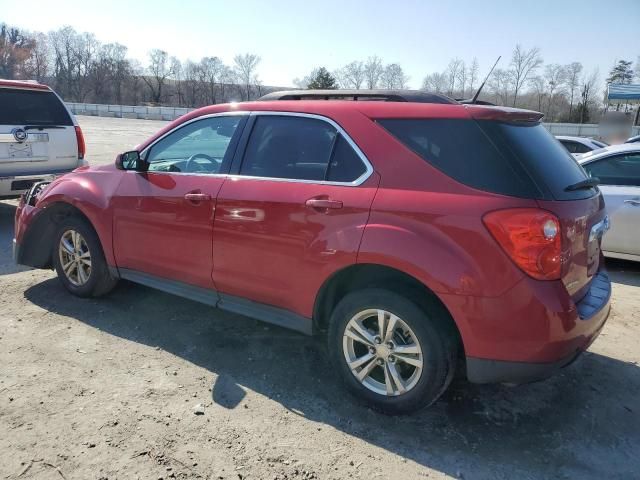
[506, 114]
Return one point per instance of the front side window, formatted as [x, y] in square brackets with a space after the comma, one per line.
[198, 147]
[617, 170]
[299, 148]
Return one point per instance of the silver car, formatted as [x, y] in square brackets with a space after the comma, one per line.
[618, 168]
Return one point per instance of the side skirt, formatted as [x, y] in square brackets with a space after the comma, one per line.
[260, 311]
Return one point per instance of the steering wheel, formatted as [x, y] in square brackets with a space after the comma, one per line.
[191, 162]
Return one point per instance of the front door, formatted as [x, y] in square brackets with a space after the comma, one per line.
[292, 213]
[163, 218]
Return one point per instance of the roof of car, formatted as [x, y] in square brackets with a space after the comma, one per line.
[384, 95]
[603, 152]
[573, 138]
[23, 84]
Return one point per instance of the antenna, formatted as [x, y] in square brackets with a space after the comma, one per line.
[475, 97]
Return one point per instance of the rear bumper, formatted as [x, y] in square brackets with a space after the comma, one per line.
[594, 309]
[15, 185]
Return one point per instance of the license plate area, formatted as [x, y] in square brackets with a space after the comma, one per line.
[20, 150]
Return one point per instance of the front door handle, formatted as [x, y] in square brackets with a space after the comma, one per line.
[633, 201]
[197, 197]
[323, 203]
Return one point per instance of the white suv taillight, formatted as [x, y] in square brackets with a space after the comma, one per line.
[80, 140]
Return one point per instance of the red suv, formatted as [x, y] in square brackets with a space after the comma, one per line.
[420, 234]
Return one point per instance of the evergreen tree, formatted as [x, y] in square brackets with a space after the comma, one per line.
[321, 79]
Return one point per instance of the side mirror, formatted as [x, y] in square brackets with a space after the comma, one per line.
[131, 161]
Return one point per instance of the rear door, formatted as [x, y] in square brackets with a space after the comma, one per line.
[620, 184]
[37, 134]
[292, 213]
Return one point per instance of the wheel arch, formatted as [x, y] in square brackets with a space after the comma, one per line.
[36, 248]
[370, 275]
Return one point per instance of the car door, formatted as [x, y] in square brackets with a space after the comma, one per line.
[292, 212]
[163, 218]
[620, 184]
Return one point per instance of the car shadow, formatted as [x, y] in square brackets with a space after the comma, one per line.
[553, 429]
[624, 271]
[7, 214]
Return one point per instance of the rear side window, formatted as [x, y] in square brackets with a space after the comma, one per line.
[521, 160]
[460, 149]
[299, 148]
[29, 107]
[575, 147]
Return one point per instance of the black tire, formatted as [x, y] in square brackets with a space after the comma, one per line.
[100, 281]
[432, 331]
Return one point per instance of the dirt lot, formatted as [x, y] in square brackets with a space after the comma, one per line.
[106, 388]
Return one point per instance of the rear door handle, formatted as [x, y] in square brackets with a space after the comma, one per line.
[323, 203]
[197, 197]
[634, 202]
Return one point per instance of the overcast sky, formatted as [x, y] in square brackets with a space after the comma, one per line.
[293, 37]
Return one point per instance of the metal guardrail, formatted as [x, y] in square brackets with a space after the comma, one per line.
[171, 113]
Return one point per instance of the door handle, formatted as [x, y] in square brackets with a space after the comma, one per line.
[635, 202]
[197, 197]
[323, 203]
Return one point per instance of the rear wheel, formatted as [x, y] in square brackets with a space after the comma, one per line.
[79, 260]
[391, 354]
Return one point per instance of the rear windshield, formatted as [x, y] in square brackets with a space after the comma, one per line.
[521, 160]
[29, 107]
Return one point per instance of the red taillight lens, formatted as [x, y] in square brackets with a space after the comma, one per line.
[531, 237]
[81, 146]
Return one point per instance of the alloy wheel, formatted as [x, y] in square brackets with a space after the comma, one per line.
[382, 352]
[75, 257]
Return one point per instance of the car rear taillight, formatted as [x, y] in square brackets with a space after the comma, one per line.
[532, 239]
[80, 140]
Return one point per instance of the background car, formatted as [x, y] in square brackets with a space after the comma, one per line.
[579, 145]
[618, 168]
[39, 137]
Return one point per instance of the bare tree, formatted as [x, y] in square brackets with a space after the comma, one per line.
[452, 75]
[351, 75]
[572, 73]
[38, 65]
[176, 67]
[393, 77]
[373, 71]
[210, 70]
[435, 82]
[158, 71]
[462, 79]
[539, 87]
[501, 85]
[473, 75]
[587, 95]
[245, 67]
[554, 75]
[523, 63]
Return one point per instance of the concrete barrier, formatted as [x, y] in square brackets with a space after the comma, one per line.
[171, 113]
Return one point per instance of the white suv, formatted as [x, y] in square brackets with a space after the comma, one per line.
[39, 137]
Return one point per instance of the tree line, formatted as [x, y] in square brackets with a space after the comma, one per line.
[82, 69]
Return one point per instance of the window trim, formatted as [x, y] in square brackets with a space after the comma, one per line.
[145, 152]
[357, 182]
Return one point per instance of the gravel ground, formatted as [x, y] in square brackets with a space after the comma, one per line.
[106, 389]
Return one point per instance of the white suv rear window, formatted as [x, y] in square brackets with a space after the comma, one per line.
[31, 107]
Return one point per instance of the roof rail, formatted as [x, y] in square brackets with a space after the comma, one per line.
[416, 96]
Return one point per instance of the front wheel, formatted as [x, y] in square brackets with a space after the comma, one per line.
[79, 260]
[391, 354]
